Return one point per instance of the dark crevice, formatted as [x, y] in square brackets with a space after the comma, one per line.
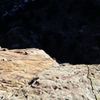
[92, 88]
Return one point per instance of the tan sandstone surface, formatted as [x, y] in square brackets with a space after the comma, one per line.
[31, 74]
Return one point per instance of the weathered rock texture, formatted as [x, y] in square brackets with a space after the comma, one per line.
[18, 67]
[30, 74]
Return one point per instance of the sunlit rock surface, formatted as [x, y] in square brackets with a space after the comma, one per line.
[31, 74]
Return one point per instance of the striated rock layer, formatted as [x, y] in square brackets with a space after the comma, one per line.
[31, 74]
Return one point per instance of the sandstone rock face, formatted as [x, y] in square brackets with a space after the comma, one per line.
[31, 74]
[94, 76]
[18, 67]
[69, 82]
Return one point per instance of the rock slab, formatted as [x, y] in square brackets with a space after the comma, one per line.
[69, 82]
[18, 67]
[31, 74]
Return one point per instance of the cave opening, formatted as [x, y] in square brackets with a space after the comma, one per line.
[68, 31]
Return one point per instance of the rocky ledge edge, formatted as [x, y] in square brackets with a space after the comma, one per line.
[31, 74]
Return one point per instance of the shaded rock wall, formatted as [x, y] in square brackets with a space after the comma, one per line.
[67, 30]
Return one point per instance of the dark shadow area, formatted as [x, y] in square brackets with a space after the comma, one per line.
[68, 30]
